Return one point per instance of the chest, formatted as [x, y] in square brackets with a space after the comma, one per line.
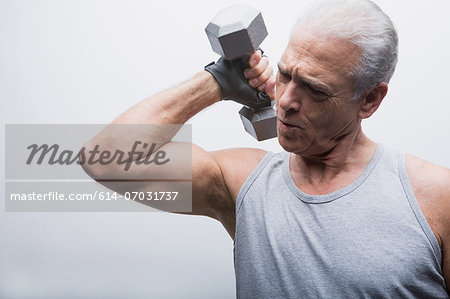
[355, 241]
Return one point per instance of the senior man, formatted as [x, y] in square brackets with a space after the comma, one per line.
[335, 214]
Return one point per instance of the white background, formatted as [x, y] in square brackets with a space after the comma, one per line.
[88, 61]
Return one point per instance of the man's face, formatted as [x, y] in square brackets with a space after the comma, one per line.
[314, 94]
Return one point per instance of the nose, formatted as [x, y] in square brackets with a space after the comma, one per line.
[288, 99]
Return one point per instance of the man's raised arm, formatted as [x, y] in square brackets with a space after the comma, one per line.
[167, 112]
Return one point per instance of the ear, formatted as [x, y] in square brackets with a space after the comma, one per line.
[370, 102]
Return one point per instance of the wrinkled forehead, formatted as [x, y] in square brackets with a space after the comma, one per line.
[321, 53]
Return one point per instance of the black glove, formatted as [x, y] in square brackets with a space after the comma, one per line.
[234, 86]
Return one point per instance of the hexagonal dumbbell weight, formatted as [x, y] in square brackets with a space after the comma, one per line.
[235, 33]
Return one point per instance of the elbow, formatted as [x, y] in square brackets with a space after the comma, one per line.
[90, 168]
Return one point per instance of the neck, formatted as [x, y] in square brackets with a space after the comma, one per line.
[341, 164]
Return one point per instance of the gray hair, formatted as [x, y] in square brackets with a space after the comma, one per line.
[363, 23]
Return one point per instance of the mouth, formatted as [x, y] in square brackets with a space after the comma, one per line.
[287, 126]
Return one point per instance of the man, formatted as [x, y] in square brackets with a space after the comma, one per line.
[336, 215]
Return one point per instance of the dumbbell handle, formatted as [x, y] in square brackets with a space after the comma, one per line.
[262, 100]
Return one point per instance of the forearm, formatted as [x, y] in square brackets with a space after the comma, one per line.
[155, 121]
[173, 106]
[176, 105]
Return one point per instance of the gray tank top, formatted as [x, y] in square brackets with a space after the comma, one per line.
[367, 240]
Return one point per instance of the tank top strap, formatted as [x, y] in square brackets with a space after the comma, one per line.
[415, 206]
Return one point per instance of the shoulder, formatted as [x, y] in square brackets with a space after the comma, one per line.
[431, 187]
[236, 165]
[217, 178]
[428, 178]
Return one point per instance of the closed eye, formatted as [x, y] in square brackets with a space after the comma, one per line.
[285, 78]
[315, 91]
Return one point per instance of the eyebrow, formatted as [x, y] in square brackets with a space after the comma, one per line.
[308, 82]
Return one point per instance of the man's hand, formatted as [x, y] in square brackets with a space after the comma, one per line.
[259, 74]
[242, 85]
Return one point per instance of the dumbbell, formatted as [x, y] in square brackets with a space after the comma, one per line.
[235, 33]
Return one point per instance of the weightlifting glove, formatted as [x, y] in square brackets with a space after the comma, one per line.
[234, 86]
